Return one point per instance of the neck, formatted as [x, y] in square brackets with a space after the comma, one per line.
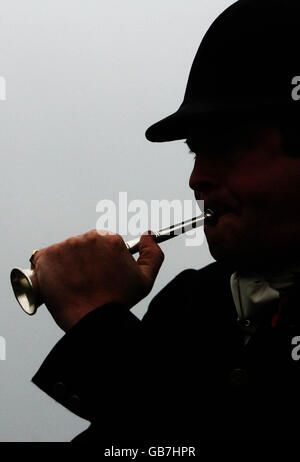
[265, 266]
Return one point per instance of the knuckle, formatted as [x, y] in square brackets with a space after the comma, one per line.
[91, 235]
[148, 233]
[46, 254]
[72, 242]
[90, 239]
[55, 249]
[116, 241]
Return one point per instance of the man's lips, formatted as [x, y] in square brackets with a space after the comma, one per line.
[216, 217]
[218, 207]
[217, 211]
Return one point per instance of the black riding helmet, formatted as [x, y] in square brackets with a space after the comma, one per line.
[246, 68]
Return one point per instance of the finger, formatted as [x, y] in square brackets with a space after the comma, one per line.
[33, 258]
[151, 256]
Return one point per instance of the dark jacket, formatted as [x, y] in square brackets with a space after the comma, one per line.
[183, 372]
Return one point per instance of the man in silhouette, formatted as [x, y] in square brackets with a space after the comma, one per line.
[216, 355]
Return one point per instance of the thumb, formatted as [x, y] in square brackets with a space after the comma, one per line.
[151, 256]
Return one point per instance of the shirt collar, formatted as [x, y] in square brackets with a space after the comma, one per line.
[254, 291]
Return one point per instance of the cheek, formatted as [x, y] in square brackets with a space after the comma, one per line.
[251, 191]
[273, 185]
[268, 207]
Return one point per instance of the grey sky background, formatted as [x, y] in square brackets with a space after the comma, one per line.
[84, 78]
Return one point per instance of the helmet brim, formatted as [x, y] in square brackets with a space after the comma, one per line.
[193, 117]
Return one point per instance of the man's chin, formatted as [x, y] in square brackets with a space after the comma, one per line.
[237, 257]
[230, 246]
[228, 260]
[244, 260]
